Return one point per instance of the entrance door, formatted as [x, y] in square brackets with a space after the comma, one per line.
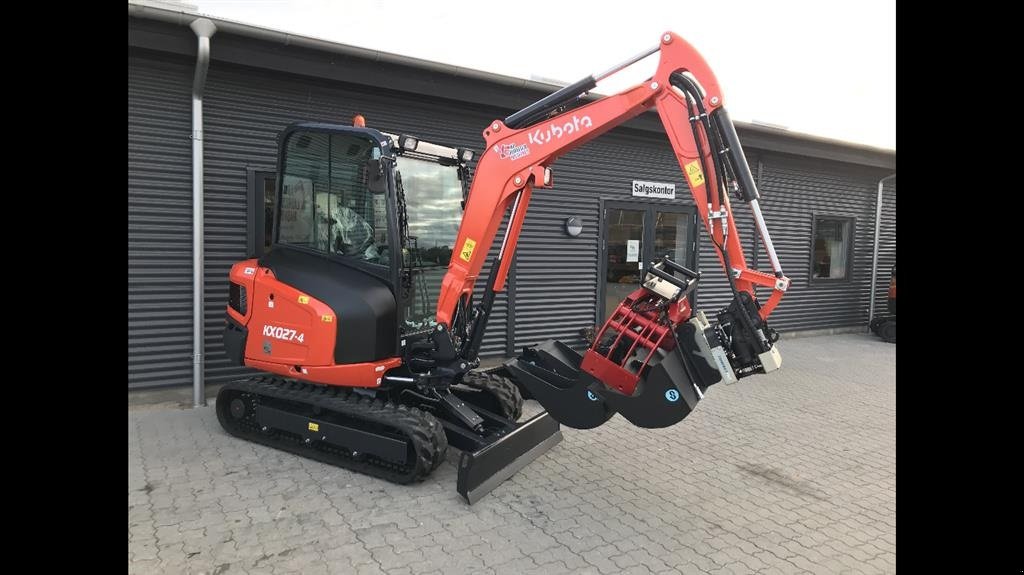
[636, 233]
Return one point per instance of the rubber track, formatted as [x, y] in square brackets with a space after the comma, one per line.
[506, 392]
[422, 429]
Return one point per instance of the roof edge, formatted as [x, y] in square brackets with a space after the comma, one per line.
[184, 18]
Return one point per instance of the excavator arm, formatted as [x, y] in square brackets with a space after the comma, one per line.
[519, 153]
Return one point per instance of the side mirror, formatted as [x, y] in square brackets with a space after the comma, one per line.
[375, 179]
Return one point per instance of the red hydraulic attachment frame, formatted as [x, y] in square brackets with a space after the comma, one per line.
[517, 160]
[639, 331]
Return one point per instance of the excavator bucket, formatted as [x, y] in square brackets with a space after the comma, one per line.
[551, 374]
[646, 363]
[662, 397]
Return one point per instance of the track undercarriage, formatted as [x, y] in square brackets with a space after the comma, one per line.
[396, 435]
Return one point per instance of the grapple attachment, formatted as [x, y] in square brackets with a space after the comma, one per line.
[650, 361]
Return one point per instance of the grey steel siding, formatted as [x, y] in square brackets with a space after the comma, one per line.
[794, 191]
[886, 247]
[159, 222]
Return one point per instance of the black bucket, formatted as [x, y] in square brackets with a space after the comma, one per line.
[664, 396]
[669, 388]
[550, 373]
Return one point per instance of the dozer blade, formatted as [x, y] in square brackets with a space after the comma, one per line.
[551, 373]
[482, 470]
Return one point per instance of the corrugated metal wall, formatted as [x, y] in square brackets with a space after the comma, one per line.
[556, 277]
[159, 223]
[794, 191]
[886, 246]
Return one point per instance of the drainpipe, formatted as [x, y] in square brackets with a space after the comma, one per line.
[204, 29]
[874, 255]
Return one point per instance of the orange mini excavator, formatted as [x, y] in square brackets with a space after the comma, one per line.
[367, 372]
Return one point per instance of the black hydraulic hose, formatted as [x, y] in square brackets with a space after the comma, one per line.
[713, 139]
[700, 148]
[691, 88]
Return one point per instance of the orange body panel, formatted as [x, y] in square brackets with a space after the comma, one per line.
[350, 375]
[291, 333]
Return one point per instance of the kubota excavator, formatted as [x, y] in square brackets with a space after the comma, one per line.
[364, 371]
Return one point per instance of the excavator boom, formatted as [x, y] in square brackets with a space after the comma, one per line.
[521, 149]
[640, 342]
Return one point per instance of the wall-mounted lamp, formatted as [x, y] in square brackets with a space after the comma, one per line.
[574, 226]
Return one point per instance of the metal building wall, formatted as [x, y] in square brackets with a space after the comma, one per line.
[794, 191]
[159, 223]
[886, 247]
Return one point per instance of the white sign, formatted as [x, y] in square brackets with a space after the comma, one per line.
[662, 190]
[632, 250]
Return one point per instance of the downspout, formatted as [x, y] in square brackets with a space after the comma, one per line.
[204, 29]
[874, 255]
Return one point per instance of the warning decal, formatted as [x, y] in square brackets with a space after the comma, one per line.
[467, 250]
[694, 175]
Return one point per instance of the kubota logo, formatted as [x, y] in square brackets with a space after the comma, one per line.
[557, 131]
[543, 135]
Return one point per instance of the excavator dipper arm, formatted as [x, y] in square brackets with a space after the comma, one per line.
[654, 357]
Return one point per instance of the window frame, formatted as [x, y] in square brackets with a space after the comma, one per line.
[848, 277]
[255, 217]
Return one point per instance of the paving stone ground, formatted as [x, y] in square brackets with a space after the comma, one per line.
[786, 473]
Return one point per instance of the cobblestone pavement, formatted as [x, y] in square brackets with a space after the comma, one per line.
[786, 473]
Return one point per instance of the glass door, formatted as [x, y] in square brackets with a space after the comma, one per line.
[624, 242]
[672, 236]
[636, 233]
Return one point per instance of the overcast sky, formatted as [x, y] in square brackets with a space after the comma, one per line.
[821, 67]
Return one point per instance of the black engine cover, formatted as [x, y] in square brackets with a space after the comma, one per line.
[364, 304]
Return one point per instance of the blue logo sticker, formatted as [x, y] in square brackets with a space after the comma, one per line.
[591, 396]
[672, 395]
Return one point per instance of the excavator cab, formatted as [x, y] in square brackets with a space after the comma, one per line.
[386, 206]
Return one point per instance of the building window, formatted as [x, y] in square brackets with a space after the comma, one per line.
[831, 254]
[261, 211]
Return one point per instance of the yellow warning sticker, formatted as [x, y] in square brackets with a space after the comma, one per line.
[467, 249]
[303, 299]
[327, 318]
[694, 175]
[314, 426]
